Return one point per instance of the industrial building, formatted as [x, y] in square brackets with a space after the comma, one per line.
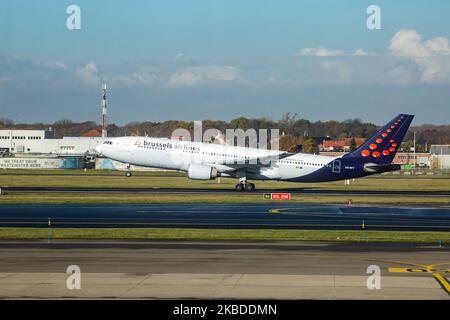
[440, 156]
[39, 149]
[440, 149]
[343, 144]
[42, 142]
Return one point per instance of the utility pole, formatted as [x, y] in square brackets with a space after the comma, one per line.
[104, 108]
[415, 158]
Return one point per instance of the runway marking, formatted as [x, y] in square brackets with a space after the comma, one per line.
[422, 268]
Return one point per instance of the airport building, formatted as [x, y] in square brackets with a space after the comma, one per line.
[39, 149]
[440, 149]
[43, 142]
[343, 144]
[440, 154]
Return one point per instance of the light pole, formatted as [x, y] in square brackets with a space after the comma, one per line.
[415, 159]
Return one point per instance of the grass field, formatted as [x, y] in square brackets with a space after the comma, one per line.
[169, 179]
[226, 234]
[111, 179]
[61, 198]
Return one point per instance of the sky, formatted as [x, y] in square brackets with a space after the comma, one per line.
[194, 60]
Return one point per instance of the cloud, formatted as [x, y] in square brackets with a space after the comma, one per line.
[320, 52]
[360, 52]
[39, 63]
[324, 52]
[5, 79]
[192, 76]
[178, 56]
[409, 43]
[135, 79]
[274, 76]
[88, 73]
[406, 60]
[402, 74]
[432, 57]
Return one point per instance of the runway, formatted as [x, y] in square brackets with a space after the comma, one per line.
[235, 216]
[156, 190]
[191, 269]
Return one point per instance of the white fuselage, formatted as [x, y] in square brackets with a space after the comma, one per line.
[180, 155]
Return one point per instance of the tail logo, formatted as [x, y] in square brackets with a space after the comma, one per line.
[391, 147]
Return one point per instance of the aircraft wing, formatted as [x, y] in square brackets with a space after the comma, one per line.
[252, 164]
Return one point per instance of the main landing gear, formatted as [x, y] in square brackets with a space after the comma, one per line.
[243, 185]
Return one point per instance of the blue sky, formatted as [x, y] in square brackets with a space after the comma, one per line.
[222, 59]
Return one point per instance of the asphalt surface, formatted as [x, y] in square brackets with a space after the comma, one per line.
[264, 257]
[155, 190]
[234, 216]
[208, 270]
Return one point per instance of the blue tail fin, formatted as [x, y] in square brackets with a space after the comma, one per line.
[383, 145]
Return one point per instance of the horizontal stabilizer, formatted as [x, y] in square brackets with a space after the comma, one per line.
[380, 168]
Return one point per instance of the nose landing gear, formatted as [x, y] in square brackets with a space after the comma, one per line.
[128, 173]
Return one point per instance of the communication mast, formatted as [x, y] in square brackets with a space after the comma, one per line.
[104, 106]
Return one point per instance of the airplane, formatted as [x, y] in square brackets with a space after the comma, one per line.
[207, 161]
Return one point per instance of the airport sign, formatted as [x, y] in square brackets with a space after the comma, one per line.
[277, 196]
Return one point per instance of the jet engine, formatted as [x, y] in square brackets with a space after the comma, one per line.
[202, 172]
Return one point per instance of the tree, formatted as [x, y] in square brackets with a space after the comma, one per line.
[288, 141]
[407, 146]
[240, 123]
[352, 144]
[287, 122]
[5, 123]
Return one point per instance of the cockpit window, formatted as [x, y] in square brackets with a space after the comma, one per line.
[108, 142]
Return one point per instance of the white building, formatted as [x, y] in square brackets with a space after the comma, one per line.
[440, 156]
[440, 149]
[39, 142]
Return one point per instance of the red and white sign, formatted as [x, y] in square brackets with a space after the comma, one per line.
[277, 196]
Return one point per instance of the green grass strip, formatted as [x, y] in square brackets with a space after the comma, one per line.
[224, 234]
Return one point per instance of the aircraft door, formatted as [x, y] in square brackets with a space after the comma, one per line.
[336, 166]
